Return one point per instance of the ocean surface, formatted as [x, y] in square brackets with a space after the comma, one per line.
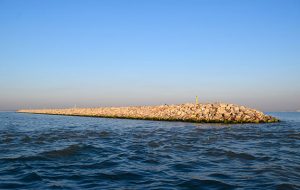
[66, 152]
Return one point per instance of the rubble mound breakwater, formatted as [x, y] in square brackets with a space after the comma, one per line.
[200, 113]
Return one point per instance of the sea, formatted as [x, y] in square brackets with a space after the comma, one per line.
[70, 152]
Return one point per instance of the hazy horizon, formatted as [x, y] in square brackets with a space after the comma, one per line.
[57, 54]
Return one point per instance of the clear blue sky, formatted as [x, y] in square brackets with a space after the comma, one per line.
[58, 53]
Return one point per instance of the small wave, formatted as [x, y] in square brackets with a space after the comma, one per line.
[294, 136]
[244, 156]
[23, 158]
[26, 139]
[104, 134]
[153, 144]
[120, 176]
[13, 185]
[286, 186]
[6, 140]
[208, 184]
[68, 151]
[230, 154]
[183, 167]
[219, 175]
[30, 177]
[151, 161]
[105, 164]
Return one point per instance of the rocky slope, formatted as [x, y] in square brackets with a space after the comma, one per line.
[206, 113]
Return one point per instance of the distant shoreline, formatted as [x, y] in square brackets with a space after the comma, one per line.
[199, 113]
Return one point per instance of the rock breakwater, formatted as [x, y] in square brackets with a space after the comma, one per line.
[201, 113]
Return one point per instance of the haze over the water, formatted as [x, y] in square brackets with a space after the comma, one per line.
[111, 53]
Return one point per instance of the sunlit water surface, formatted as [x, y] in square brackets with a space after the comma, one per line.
[64, 152]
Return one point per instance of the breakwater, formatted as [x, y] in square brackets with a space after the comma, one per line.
[201, 113]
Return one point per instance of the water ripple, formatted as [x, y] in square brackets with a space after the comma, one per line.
[57, 152]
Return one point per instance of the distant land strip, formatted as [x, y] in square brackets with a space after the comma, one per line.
[200, 113]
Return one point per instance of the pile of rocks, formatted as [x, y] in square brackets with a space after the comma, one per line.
[202, 113]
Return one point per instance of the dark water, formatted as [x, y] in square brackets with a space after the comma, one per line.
[59, 152]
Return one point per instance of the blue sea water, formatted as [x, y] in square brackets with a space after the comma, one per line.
[65, 152]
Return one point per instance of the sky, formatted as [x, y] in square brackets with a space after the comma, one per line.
[66, 53]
